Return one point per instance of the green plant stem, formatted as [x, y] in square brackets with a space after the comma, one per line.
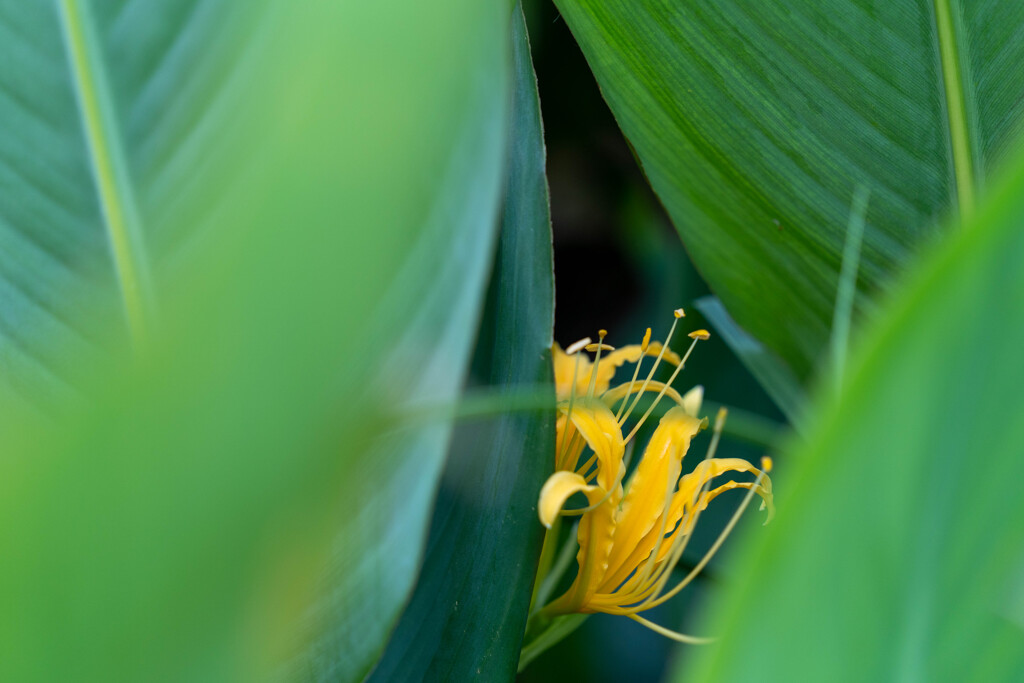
[547, 558]
[552, 632]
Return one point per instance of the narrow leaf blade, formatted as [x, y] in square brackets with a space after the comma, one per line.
[468, 613]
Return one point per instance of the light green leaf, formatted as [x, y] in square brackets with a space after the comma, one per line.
[112, 112]
[467, 615]
[755, 122]
[897, 550]
[175, 525]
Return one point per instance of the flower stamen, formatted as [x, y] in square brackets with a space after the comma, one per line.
[577, 347]
[644, 345]
[752, 490]
[646, 587]
[601, 334]
[674, 635]
[679, 544]
[573, 350]
[650, 375]
[675, 373]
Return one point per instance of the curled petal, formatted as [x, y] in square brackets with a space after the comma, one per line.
[633, 353]
[764, 489]
[628, 354]
[599, 428]
[708, 470]
[615, 394]
[690, 507]
[557, 489]
[686, 499]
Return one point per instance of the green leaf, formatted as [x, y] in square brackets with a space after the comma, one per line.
[468, 612]
[771, 373]
[755, 122]
[899, 541]
[176, 525]
[111, 112]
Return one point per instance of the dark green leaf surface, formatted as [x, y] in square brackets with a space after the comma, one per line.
[176, 526]
[898, 546]
[468, 612]
[755, 122]
[769, 371]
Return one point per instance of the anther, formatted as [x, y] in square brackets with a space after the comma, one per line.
[646, 342]
[699, 334]
[766, 463]
[601, 334]
[604, 347]
[581, 344]
[722, 414]
[679, 313]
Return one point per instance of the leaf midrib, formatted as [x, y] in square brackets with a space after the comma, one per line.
[956, 106]
[109, 167]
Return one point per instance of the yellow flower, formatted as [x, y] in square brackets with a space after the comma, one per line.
[576, 378]
[632, 537]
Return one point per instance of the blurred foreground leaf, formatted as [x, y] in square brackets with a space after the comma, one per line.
[468, 612]
[112, 112]
[898, 548]
[175, 524]
[754, 123]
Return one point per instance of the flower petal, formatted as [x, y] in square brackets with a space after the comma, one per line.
[686, 500]
[569, 444]
[639, 522]
[594, 535]
[599, 428]
[565, 368]
[595, 538]
[708, 470]
[557, 489]
[633, 352]
[615, 394]
[693, 399]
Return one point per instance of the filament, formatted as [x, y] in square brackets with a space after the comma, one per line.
[650, 374]
[675, 373]
[636, 372]
[714, 548]
[674, 635]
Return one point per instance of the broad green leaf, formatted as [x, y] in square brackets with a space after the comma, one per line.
[898, 546]
[755, 122]
[468, 612]
[175, 525]
[111, 113]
